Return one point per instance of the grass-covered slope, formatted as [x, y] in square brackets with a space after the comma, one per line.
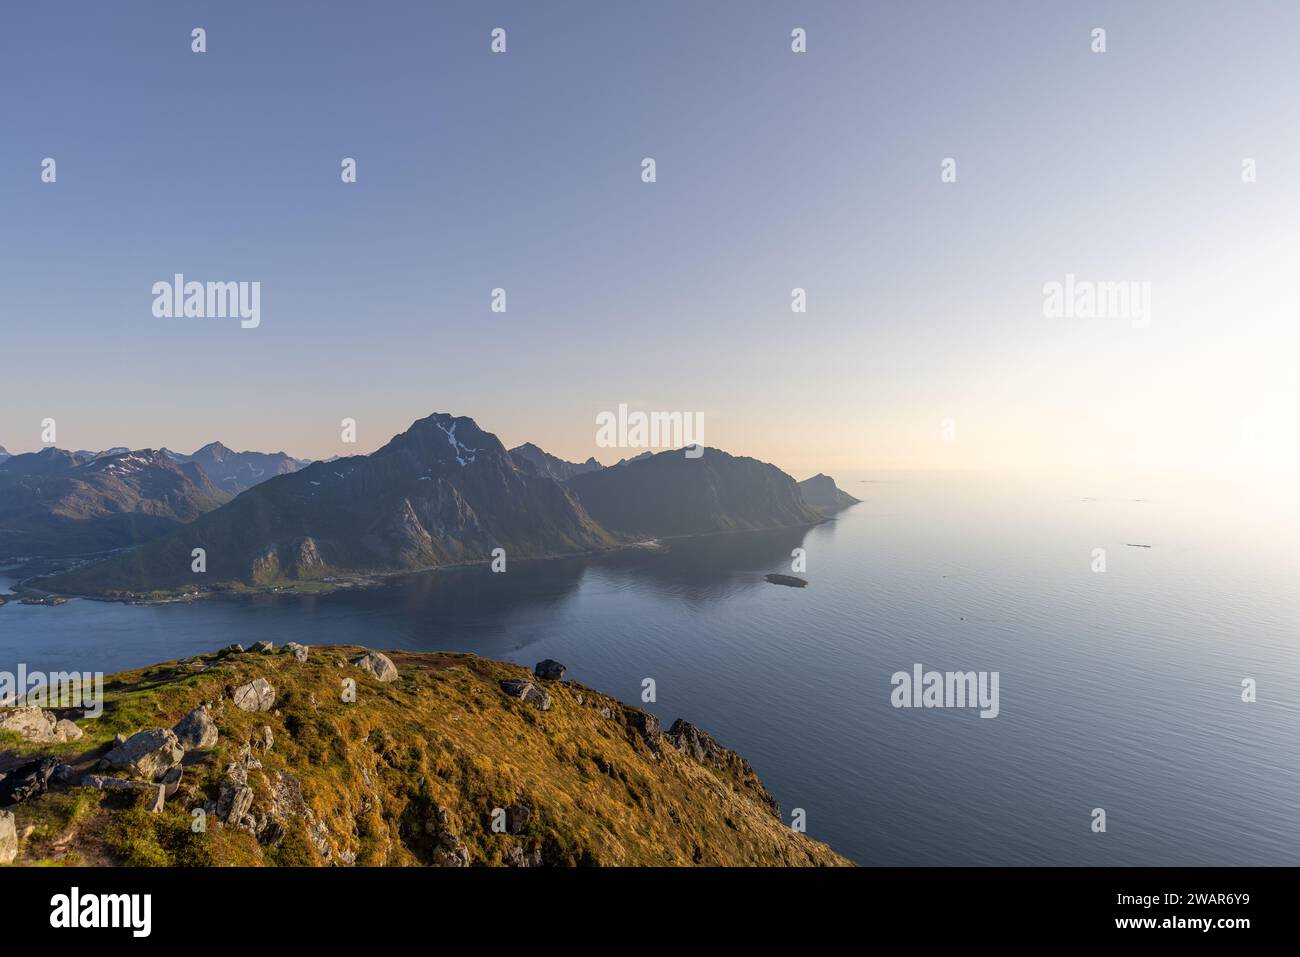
[408, 774]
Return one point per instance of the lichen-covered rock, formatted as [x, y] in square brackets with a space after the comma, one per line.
[147, 754]
[197, 729]
[233, 802]
[38, 726]
[263, 647]
[377, 665]
[299, 652]
[527, 692]
[257, 695]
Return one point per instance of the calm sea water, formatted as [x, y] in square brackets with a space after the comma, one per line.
[1119, 690]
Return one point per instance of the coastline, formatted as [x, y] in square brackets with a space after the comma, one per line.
[351, 581]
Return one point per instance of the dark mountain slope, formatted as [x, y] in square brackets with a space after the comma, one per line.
[669, 494]
[48, 508]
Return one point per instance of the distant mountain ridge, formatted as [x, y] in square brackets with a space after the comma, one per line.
[550, 465]
[237, 472]
[445, 492]
[54, 503]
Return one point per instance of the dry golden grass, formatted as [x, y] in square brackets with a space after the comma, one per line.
[444, 735]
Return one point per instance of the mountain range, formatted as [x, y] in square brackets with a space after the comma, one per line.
[551, 466]
[237, 472]
[442, 492]
[56, 503]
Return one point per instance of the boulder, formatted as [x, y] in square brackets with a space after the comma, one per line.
[257, 695]
[235, 649]
[264, 647]
[196, 729]
[298, 651]
[147, 754]
[31, 724]
[549, 670]
[373, 663]
[68, 730]
[8, 838]
[265, 738]
[527, 692]
[27, 781]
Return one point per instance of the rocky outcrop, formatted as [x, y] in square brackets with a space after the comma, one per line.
[646, 726]
[257, 695]
[378, 666]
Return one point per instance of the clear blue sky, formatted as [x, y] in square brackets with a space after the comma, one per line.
[775, 170]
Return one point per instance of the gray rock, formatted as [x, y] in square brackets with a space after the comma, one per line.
[265, 738]
[265, 647]
[380, 666]
[156, 793]
[257, 695]
[68, 730]
[647, 725]
[8, 838]
[549, 669]
[233, 802]
[527, 692]
[147, 754]
[235, 649]
[298, 651]
[31, 724]
[197, 729]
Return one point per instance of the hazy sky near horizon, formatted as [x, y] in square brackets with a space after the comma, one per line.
[775, 170]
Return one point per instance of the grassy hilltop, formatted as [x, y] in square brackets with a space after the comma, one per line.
[411, 773]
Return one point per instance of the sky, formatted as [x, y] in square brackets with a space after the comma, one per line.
[924, 343]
